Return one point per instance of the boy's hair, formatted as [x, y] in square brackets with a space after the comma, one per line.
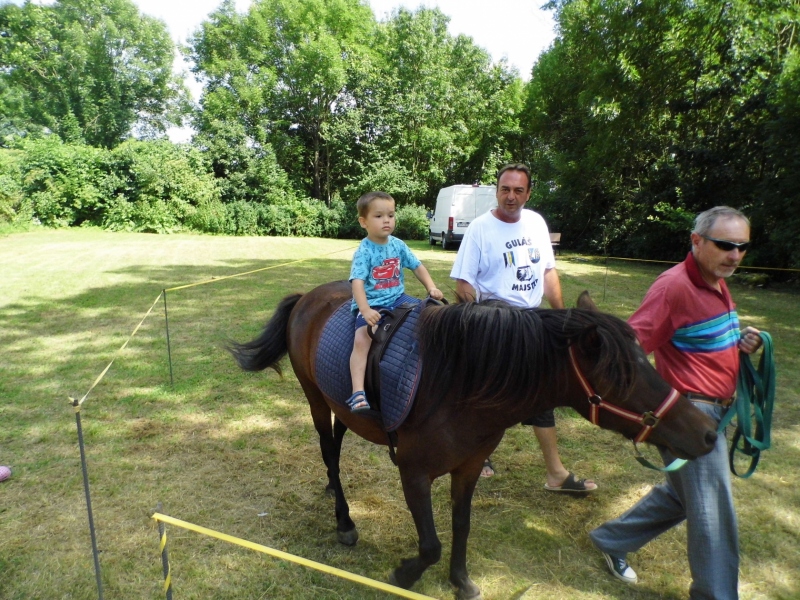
[363, 203]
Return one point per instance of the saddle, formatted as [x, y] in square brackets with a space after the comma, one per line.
[393, 365]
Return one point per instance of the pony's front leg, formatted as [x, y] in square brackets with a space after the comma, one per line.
[462, 486]
[417, 491]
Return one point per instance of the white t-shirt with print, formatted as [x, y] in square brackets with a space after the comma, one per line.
[506, 261]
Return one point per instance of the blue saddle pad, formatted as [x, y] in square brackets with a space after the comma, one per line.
[400, 365]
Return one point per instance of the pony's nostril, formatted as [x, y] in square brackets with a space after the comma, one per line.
[711, 438]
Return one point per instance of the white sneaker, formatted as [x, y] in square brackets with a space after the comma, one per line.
[620, 568]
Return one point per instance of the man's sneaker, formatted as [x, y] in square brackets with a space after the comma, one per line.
[620, 569]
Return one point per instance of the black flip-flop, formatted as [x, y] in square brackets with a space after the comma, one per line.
[570, 485]
[487, 464]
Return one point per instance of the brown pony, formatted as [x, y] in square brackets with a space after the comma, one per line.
[486, 367]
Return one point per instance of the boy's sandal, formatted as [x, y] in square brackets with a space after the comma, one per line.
[358, 402]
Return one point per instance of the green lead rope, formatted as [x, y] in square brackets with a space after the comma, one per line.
[755, 398]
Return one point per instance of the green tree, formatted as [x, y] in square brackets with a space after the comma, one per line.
[779, 212]
[345, 105]
[89, 71]
[434, 109]
[282, 71]
[644, 113]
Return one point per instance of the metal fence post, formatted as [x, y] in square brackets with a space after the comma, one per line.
[77, 406]
[162, 535]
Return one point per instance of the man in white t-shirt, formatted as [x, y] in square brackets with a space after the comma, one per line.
[506, 254]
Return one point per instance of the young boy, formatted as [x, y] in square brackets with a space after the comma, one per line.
[377, 279]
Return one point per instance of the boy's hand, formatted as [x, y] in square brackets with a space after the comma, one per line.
[372, 317]
[435, 294]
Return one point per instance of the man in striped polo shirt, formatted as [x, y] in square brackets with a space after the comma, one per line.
[689, 321]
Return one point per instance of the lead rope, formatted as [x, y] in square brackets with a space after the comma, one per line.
[755, 399]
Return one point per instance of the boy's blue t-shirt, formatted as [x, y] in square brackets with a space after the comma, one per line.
[381, 269]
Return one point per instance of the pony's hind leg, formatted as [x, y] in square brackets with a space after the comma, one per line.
[330, 444]
[339, 429]
[346, 531]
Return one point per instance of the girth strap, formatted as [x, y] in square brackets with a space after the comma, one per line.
[390, 322]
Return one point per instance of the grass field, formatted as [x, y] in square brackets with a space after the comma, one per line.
[237, 452]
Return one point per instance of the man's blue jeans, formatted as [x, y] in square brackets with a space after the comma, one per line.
[700, 493]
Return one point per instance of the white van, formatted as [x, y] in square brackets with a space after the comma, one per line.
[456, 207]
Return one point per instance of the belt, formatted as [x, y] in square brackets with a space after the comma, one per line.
[724, 402]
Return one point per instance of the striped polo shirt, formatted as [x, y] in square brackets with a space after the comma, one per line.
[692, 329]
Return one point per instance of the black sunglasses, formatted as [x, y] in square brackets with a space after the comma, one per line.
[727, 246]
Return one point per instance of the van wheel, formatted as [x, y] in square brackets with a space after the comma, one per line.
[445, 245]
[431, 239]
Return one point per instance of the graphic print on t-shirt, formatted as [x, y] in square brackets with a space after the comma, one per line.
[387, 274]
[522, 264]
[525, 273]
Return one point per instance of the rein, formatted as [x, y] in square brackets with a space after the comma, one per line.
[649, 420]
[755, 390]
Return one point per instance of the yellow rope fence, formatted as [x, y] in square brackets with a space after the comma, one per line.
[360, 579]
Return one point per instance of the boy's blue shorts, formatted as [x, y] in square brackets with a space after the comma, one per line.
[360, 322]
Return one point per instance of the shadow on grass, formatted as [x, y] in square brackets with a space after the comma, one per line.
[222, 447]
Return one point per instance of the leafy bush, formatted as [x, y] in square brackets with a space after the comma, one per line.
[159, 187]
[140, 186]
[11, 192]
[66, 184]
[150, 215]
[303, 218]
[209, 217]
[349, 228]
[412, 222]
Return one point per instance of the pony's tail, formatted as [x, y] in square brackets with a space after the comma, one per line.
[270, 347]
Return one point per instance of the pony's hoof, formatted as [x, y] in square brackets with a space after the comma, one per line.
[468, 591]
[348, 538]
[394, 582]
[399, 583]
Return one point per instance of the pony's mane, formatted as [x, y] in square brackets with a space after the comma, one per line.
[489, 352]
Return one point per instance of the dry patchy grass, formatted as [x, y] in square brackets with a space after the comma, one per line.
[221, 447]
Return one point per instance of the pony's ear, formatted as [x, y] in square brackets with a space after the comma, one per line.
[585, 301]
